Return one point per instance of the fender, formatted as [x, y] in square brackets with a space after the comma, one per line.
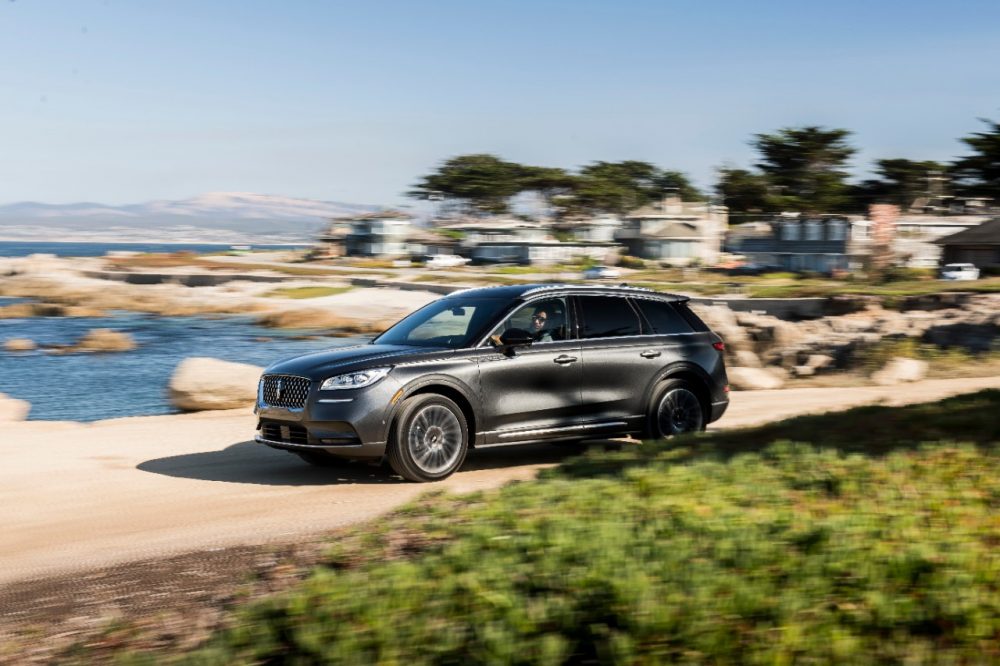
[677, 368]
[432, 380]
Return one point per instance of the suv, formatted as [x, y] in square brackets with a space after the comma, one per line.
[497, 366]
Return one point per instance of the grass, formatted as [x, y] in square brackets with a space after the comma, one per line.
[307, 292]
[869, 536]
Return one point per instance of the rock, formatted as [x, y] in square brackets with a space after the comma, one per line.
[804, 371]
[105, 340]
[819, 361]
[20, 345]
[12, 409]
[750, 379]
[899, 370]
[746, 359]
[208, 383]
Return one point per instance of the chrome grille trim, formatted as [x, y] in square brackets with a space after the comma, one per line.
[286, 391]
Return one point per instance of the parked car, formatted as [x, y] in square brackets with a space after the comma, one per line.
[446, 261]
[498, 366]
[601, 273]
[959, 272]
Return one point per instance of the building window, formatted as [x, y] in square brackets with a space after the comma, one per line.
[814, 230]
[790, 231]
[836, 230]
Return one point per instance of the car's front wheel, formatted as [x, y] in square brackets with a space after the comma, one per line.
[676, 409]
[430, 438]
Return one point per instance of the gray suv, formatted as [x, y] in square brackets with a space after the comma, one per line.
[499, 366]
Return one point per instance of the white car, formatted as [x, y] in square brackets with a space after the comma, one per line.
[446, 261]
[959, 272]
[601, 273]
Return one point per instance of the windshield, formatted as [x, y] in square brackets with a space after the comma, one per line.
[449, 322]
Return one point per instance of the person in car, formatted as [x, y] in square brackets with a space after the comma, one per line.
[546, 323]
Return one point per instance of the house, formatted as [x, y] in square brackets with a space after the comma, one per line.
[507, 240]
[796, 243]
[377, 234]
[914, 243]
[675, 232]
[599, 229]
[979, 245]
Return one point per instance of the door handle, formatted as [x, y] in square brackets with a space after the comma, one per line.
[564, 360]
[649, 353]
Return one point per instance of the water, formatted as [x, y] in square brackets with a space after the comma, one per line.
[89, 387]
[23, 249]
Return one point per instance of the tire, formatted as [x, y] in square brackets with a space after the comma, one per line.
[676, 409]
[321, 458]
[429, 440]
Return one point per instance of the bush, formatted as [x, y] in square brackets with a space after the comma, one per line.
[858, 545]
[626, 261]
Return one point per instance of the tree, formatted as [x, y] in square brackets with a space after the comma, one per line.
[804, 168]
[743, 191]
[979, 174]
[555, 186]
[618, 187]
[483, 182]
[899, 181]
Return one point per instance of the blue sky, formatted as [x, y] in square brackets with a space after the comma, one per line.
[119, 102]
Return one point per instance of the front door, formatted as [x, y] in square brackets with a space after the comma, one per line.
[533, 392]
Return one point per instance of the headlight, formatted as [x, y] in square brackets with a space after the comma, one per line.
[353, 380]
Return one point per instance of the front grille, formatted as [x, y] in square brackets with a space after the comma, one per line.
[285, 391]
[290, 433]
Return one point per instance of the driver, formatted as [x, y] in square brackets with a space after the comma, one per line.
[545, 324]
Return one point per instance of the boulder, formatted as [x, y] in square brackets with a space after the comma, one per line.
[20, 345]
[12, 409]
[745, 358]
[804, 371]
[819, 361]
[900, 369]
[208, 383]
[750, 379]
[105, 340]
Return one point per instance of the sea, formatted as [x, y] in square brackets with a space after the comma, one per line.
[91, 387]
[83, 249]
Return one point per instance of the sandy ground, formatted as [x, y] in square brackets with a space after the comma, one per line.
[74, 497]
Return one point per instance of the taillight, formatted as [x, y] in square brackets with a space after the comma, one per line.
[719, 346]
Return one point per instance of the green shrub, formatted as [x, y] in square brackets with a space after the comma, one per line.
[858, 544]
[626, 261]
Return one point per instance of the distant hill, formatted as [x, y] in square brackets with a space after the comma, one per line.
[225, 217]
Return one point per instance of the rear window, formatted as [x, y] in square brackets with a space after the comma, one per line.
[608, 317]
[662, 318]
[690, 317]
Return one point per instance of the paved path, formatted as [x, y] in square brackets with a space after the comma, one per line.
[78, 496]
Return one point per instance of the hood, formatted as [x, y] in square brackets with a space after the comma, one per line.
[323, 364]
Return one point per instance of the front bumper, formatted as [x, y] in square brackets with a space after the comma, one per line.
[718, 409]
[347, 423]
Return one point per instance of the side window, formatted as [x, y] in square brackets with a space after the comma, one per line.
[663, 319]
[607, 316]
[546, 320]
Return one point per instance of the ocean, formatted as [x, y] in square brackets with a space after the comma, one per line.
[90, 387]
[73, 249]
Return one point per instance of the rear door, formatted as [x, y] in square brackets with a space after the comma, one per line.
[620, 359]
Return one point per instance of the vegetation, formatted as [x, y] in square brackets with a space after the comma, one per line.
[308, 292]
[487, 184]
[868, 536]
[978, 174]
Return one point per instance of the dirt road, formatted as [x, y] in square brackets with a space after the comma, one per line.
[78, 496]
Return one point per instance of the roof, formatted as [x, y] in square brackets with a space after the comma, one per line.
[674, 229]
[522, 290]
[987, 233]
[378, 215]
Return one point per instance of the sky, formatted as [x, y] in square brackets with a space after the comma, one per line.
[120, 101]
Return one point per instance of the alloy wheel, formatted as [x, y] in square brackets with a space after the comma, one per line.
[679, 411]
[435, 439]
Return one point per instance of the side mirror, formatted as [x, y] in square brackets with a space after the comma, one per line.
[513, 337]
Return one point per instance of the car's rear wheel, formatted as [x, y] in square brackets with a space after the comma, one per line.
[676, 409]
[430, 438]
[321, 458]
